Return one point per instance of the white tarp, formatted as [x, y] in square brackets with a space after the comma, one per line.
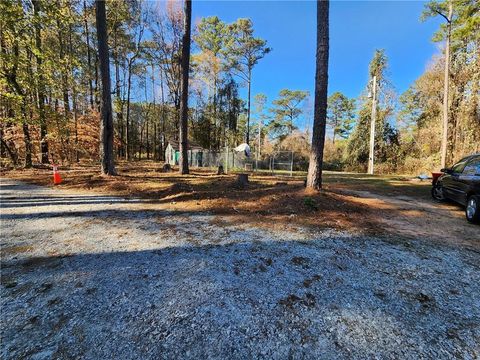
[243, 147]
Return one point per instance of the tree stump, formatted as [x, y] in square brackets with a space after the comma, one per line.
[242, 180]
[166, 168]
[220, 170]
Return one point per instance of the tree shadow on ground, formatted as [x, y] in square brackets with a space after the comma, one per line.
[267, 201]
[257, 202]
[327, 297]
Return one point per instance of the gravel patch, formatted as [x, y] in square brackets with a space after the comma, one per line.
[99, 277]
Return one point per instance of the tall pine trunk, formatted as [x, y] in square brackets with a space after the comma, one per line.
[154, 150]
[183, 133]
[74, 105]
[89, 57]
[12, 79]
[65, 90]
[119, 114]
[127, 125]
[163, 115]
[335, 125]
[148, 143]
[41, 88]
[248, 106]
[106, 123]
[147, 117]
[75, 120]
[28, 144]
[97, 99]
[314, 177]
[120, 105]
[74, 94]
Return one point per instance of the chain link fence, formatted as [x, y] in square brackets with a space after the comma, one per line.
[280, 162]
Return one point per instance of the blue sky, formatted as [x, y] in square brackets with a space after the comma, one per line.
[357, 28]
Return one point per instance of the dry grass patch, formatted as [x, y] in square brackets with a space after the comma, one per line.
[373, 205]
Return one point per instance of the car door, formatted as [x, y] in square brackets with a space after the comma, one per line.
[469, 180]
[453, 184]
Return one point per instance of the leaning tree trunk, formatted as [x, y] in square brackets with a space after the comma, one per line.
[314, 178]
[12, 78]
[106, 123]
[184, 99]
[6, 149]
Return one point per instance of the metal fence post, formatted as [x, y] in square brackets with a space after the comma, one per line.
[226, 159]
[291, 166]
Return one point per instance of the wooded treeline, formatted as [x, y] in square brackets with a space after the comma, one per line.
[409, 125]
[51, 91]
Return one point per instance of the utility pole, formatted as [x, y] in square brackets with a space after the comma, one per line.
[446, 85]
[373, 120]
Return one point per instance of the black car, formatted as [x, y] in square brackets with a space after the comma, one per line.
[461, 183]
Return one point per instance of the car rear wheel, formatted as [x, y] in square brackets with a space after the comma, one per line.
[437, 192]
[472, 210]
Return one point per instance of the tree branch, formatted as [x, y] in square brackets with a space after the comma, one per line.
[443, 15]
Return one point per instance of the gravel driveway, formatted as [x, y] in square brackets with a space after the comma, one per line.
[99, 277]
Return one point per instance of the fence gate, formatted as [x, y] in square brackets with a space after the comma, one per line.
[282, 161]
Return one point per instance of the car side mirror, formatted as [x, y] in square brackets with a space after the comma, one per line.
[446, 170]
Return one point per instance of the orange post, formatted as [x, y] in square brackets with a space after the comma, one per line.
[56, 176]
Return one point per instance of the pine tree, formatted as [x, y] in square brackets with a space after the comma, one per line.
[106, 123]
[183, 134]
[314, 177]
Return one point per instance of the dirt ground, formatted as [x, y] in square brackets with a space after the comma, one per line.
[371, 205]
[85, 275]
